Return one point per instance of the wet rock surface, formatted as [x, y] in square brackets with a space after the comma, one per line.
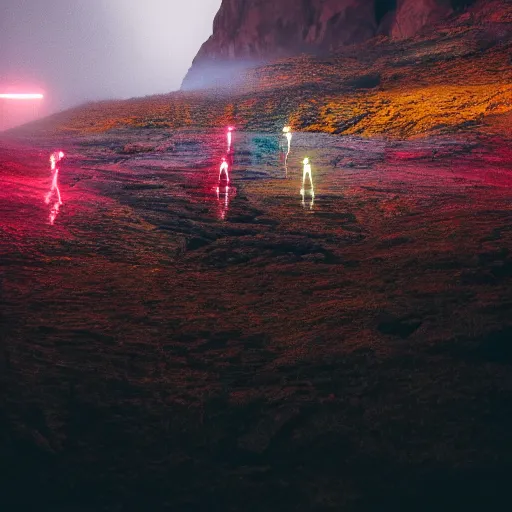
[166, 346]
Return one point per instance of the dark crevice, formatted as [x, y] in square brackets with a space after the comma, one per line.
[383, 7]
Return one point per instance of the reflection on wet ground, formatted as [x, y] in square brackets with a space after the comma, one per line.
[287, 132]
[230, 138]
[224, 196]
[205, 343]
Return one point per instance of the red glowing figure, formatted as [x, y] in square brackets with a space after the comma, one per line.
[55, 158]
[224, 168]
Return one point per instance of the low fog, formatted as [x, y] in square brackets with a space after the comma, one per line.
[80, 50]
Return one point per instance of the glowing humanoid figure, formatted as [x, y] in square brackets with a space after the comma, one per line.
[224, 168]
[307, 173]
[55, 158]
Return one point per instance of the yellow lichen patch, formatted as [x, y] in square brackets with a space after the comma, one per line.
[410, 113]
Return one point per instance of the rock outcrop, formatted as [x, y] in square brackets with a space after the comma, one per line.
[257, 28]
[257, 31]
[254, 31]
[412, 15]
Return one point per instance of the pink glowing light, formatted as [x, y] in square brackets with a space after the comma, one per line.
[54, 212]
[23, 96]
[230, 137]
[224, 168]
[55, 158]
[307, 173]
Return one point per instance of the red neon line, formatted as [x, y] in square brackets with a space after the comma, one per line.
[9, 96]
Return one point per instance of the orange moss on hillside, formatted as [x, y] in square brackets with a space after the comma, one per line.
[404, 114]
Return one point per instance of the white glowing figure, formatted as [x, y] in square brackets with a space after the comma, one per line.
[55, 158]
[21, 96]
[224, 168]
[307, 173]
[230, 138]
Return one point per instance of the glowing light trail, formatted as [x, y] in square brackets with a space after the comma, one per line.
[224, 168]
[12, 96]
[55, 158]
[230, 137]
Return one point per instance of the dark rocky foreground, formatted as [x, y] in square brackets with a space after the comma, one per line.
[161, 351]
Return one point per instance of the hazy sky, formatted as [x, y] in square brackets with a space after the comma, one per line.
[79, 50]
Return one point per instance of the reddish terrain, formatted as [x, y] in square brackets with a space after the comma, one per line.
[169, 346]
[353, 354]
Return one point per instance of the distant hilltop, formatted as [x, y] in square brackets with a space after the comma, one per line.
[256, 31]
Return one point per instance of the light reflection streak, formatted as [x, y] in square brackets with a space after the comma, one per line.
[223, 201]
[288, 134]
[55, 158]
[224, 197]
[230, 137]
[307, 173]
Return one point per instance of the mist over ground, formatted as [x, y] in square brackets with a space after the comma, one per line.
[82, 50]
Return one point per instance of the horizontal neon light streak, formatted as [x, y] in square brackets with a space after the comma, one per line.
[21, 96]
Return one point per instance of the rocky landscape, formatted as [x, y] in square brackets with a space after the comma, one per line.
[451, 77]
[171, 343]
[169, 347]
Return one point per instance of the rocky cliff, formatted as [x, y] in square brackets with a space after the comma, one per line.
[259, 30]
[412, 15]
